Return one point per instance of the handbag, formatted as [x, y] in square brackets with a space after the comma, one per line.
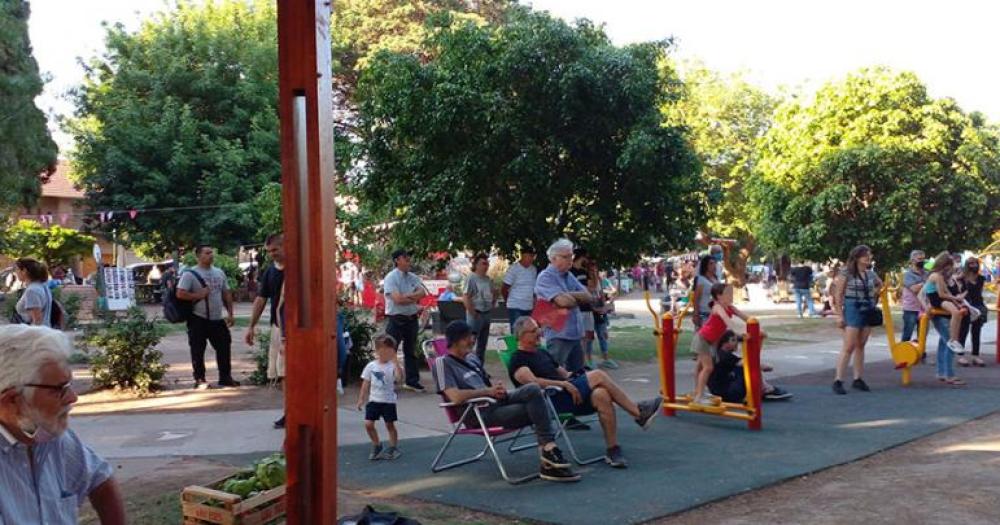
[871, 314]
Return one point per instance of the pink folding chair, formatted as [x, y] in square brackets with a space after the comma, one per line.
[433, 350]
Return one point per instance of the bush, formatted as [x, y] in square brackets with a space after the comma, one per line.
[259, 375]
[362, 332]
[125, 355]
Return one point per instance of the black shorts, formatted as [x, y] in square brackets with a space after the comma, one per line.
[935, 299]
[386, 411]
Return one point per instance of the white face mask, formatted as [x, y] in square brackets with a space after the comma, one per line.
[35, 428]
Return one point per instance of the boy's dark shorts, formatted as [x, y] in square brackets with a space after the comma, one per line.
[386, 411]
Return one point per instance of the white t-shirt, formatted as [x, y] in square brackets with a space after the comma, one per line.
[382, 377]
[522, 286]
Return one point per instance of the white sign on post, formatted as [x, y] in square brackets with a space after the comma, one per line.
[97, 254]
[119, 288]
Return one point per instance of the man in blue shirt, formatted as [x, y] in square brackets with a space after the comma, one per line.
[558, 286]
[46, 472]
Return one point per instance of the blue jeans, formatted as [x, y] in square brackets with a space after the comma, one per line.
[945, 361]
[480, 324]
[910, 322]
[514, 313]
[601, 333]
[801, 293]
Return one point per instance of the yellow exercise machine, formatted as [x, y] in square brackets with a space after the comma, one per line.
[667, 330]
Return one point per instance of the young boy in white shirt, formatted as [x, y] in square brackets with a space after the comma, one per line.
[378, 396]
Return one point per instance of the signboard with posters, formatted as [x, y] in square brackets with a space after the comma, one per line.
[119, 289]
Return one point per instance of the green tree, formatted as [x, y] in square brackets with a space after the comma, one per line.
[874, 160]
[27, 152]
[726, 117]
[522, 133]
[182, 114]
[52, 245]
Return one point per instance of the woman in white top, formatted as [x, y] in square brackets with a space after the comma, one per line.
[35, 305]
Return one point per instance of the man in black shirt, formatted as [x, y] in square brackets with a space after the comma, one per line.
[272, 285]
[581, 394]
[802, 279]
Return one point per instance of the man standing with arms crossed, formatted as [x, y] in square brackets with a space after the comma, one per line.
[272, 286]
[403, 292]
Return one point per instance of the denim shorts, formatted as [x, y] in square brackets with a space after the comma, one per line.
[563, 401]
[852, 313]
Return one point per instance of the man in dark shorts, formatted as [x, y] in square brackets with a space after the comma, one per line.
[582, 394]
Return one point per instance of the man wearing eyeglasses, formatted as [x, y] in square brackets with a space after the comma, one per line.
[560, 287]
[46, 472]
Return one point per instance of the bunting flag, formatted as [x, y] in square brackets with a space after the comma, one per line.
[132, 213]
[102, 216]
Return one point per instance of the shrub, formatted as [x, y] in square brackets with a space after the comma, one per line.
[362, 331]
[259, 375]
[125, 356]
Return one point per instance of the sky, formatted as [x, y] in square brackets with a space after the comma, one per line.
[952, 46]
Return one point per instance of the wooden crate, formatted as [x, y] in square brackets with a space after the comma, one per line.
[258, 510]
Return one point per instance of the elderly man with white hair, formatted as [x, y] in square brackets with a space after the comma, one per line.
[45, 470]
[558, 286]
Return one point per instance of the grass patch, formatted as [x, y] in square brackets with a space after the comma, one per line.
[637, 343]
[176, 328]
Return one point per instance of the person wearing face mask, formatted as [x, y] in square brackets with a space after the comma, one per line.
[974, 282]
[46, 471]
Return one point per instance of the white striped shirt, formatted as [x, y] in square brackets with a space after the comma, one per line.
[67, 471]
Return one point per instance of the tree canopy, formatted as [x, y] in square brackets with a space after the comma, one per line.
[50, 244]
[522, 133]
[874, 160]
[182, 114]
[726, 117]
[27, 152]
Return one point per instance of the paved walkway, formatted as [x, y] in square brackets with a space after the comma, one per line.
[219, 433]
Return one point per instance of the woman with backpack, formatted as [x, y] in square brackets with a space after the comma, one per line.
[35, 305]
[855, 294]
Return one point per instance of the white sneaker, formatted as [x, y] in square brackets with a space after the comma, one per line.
[956, 347]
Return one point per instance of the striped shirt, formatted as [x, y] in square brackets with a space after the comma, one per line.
[67, 471]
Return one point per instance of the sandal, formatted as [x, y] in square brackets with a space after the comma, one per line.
[978, 362]
[955, 381]
[962, 361]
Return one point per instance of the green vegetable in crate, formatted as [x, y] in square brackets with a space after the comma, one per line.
[240, 487]
[270, 471]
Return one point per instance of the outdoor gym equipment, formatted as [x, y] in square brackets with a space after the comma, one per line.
[906, 354]
[667, 333]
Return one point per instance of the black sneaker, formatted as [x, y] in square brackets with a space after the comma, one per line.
[838, 387]
[614, 457]
[414, 387]
[860, 384]
[553, 457]
[280, 423]
[575, 424]
[550, 473]
[648, 410]
[777, 394]
[228, 383]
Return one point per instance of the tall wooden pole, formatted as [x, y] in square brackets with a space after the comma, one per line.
[307, 177]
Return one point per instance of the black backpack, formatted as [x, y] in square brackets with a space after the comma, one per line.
[178, 310]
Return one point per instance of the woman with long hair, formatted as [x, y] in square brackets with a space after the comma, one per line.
[942, 292]
[974, 282]
[702, 287]
[855, 291]
[35, 305]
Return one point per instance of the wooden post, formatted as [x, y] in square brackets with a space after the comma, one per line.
[667, 349]
[305, 108]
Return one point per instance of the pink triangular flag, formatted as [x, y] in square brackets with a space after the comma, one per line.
[133, 213]
[110, 214]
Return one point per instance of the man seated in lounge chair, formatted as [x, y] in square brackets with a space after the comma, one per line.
[461, 377]
[582, 394]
